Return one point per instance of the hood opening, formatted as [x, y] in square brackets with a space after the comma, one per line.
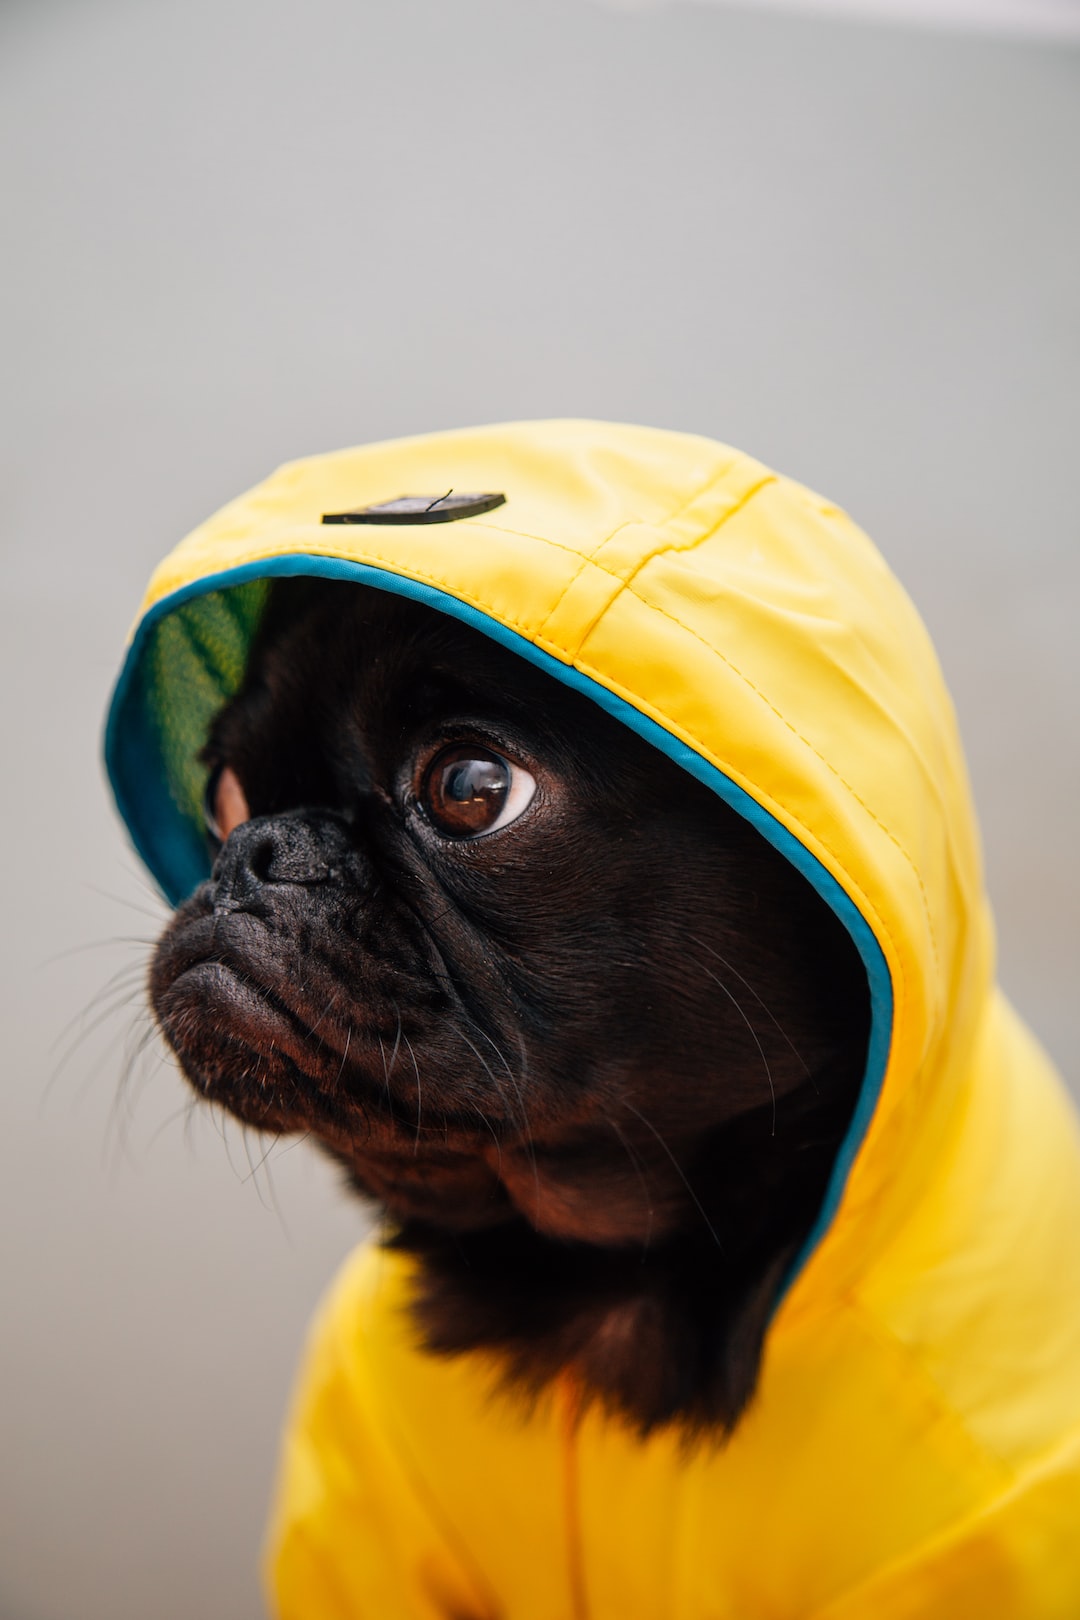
[187, 659]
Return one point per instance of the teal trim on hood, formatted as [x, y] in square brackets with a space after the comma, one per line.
[169, 837]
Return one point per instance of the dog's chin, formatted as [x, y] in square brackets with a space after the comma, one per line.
[261, 1026]
[240, 1045]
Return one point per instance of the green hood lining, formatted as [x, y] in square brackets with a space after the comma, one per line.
[168, 834]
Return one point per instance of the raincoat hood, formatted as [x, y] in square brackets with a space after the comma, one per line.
[750, 631]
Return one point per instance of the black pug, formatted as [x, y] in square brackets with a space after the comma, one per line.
[586, 1037]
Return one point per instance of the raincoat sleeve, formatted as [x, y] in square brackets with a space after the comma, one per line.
[354, 1531]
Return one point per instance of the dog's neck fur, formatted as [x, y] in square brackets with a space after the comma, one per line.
[596, 1066]
[660, 1334]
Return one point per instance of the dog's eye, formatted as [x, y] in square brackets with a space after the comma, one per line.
[225, 804]
[467, 791]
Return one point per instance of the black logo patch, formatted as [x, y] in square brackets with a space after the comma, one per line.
[420, 509]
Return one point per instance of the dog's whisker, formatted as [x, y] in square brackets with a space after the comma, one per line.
[118, 1002]
[117, 1006]
[185, 1113]
[397, 1036]
[122, 1112]
[245, 1138]
[482, 1117]
[194, 1108]
[143, 942]
[510, 1075]
[386, 1078]
[452, 989]
[680, 1172]
[344, 1056]
[635, 1160]
[330, 1005]
[159, 916]
[521, 1119]
[263, 1163]
[137, 875]
[274, 1200]
[766, 1009]
[524, 1054]
[478, 1055]
[290, 1143]
[419, 1089]
[753, 1033]
[124, 982]
[271, 1145]
[224, 1131]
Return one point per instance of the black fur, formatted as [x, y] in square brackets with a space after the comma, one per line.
[595, 1065]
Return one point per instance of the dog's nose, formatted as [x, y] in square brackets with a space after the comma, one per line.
[299, 848]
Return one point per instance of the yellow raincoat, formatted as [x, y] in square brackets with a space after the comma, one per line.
[913, 1449]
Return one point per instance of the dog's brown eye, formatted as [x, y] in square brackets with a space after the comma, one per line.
[225, 804]
[467, 791]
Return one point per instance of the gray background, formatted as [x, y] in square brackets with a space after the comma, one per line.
[236, 233]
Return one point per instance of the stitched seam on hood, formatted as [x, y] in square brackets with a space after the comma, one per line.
[660, 525]
[583, 564]
[524, 534]
[707, 534]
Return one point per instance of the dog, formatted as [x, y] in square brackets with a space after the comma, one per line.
[587, 1040]
[589, 865]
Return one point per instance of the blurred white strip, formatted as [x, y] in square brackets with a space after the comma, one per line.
[1033, 19]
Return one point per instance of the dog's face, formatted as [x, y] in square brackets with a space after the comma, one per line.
[530, 981]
